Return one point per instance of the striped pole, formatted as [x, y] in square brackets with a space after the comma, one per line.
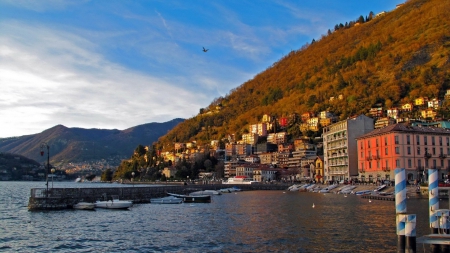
[433, 198]
[400, 207]
[410, 233]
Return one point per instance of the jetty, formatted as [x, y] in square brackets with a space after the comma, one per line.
[65, 198]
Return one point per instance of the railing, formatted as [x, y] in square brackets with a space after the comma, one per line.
[385, 169]
[427, 155]
[442, 156]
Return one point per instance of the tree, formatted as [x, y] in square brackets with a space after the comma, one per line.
[107, 175]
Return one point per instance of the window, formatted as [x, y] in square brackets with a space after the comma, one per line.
[386, 142]
[368, 143]
[425, 140]
[442, 163]
[408, 150]
[377, 142]
[418, 150]
[378, 153]
[386, 151]
[397, 163]
[370, 165]
[440, 140]
[432, 140]
[397, 150]
[419, 163]
[396, 139]
[448, 141]
[378, 163]
[409, 163]
[362, 145]
[417, 140]
[362, 154]
[407, 140]
[434, 151]
[434, 163]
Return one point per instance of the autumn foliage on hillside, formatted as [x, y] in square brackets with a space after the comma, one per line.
[388, 60]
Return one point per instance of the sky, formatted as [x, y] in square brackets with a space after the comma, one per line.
[118, 64]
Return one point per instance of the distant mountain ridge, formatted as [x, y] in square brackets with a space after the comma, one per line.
[79, 144]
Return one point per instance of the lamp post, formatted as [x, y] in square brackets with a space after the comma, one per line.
[43, 146]
[53, 175]
[132, 174]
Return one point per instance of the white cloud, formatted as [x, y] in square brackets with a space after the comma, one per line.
[60, 79]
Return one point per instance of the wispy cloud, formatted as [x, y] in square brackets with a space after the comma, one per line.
[61, 78]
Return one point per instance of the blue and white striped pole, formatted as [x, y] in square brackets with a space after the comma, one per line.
[410, 233]
[433, 198]
[400, 207]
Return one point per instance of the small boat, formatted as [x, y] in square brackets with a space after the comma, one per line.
[206, 192]
[166, 200]
[78, 180]
[379, 188]
[114, 203]
[329, 188]
[229, 190]
[193, 198]
[84, 206]
[364, 192]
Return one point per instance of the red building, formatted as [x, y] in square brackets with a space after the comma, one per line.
[416, 149]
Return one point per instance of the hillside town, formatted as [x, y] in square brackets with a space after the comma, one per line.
[364, 148]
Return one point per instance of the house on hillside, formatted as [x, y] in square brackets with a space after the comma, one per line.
[393, 112]
[407, 107]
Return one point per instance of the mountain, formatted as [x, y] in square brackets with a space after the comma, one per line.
[385, 60]
[78, 144]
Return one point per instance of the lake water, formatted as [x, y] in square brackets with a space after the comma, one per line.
[252, 221]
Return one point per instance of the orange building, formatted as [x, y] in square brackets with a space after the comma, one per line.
[402, 146]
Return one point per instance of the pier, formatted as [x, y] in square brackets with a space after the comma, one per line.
[64, 198]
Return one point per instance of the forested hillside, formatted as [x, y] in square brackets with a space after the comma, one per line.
[388, 60]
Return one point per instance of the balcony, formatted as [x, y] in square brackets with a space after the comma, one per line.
[427, 155]
[369, 158]
[386, 169]
[442, 156]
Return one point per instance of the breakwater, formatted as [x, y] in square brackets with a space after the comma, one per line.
[63, 198]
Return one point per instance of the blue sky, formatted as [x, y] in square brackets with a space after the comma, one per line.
[117, 64]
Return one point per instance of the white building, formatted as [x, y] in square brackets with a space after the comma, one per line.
[340, 150]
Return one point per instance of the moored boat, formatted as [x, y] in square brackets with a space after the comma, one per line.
[166, 200]
[114, 203]
[84, 206]
[206, 192]
[193, 199]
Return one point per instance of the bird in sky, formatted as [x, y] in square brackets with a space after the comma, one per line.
[205, 50]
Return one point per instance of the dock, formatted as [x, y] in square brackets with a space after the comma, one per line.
[378, 197]
[65, 198]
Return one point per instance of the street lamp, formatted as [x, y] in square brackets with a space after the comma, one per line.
[53, 171]
[43, 146]
[132, 174]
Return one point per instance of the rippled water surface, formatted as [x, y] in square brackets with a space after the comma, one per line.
[253, 221]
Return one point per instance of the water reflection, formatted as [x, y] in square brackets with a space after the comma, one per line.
[258, 221]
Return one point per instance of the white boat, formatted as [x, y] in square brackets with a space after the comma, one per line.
[114, 203]
[229, 190]
[84, 206]
[166, 200]
[329, 188]
[206, 192]
[364, 192]
[78, 180]
[294, 187]
[347, 190]
[240, 180]
[379, 188]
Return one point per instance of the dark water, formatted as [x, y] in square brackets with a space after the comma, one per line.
[253, 221]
